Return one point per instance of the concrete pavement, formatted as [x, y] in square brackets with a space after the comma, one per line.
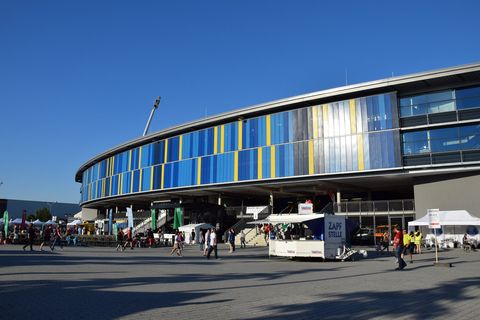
[100, 283]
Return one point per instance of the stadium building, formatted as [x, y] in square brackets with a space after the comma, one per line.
[381, 152]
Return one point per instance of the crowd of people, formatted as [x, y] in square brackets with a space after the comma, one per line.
[48, 235]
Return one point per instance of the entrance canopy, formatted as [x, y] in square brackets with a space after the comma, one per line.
[449, 218]
[288, 218]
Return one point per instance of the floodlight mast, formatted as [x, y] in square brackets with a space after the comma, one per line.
[155, 107]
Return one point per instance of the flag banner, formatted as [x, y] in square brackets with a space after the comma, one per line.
[154, 219]
[130, 217]
[5, 223]
[110, 218]
[178, 218]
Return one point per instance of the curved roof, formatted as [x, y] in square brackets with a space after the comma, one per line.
[411, 83]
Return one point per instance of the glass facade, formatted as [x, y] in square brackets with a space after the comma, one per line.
[458, 138]
[440, 101]
[345, 136]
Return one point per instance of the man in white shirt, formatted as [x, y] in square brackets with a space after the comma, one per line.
[213, 244]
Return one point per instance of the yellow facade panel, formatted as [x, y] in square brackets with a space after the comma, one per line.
[361, 159]
[353, 116]
[311, 160]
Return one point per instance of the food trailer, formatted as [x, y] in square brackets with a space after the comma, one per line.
[317, 236]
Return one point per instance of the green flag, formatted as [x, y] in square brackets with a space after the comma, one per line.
[154, 219]
[5, 223]
[178, 218]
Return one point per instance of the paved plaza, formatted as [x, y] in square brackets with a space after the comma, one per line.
[100, 283]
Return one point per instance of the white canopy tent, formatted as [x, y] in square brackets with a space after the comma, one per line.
[75, 223]
[19, 221]
[50, 223]
[197, 227]
[449, 218]
[37, 223]
[86, 214]
[454, 224]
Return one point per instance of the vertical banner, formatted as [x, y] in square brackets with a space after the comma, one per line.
[24, 218]
[110, 221]
[178, 218]
[154, 220]
[5, 223]
[130, 217]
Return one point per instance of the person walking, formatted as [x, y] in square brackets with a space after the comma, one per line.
[201, 239]
[47, 235]
[129, 238]
[192, 237]
[207, 242]
[57, 238]
[398, 245]
[242, 240]
[177, 244]
[231, 240]
[120, 236]
[31, 237]
[213, 244]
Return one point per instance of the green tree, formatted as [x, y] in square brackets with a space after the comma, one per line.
[31, 217]
[43, 214]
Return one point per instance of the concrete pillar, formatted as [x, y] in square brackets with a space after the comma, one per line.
[339, 197]
[219, 199]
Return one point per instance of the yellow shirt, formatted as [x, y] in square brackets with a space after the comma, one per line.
[406, 239]
[418, 238]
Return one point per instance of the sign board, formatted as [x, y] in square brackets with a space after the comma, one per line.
[256, 210]
[334, 229]
[305, 208]
[433, 219]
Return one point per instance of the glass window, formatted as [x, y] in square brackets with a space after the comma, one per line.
[444, 144]
[416, 147]
[427, 103]
[441, 106]
[470, 137]
[415, 142]
[415, 136]
[440, 96]
[444, 133]
[473, 102]
[468, 92]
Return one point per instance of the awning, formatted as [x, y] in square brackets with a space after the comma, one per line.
[288, 218]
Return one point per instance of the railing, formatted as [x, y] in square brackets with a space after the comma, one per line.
[145, 224]
[394, 206]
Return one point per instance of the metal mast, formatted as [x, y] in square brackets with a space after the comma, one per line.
[155, 106]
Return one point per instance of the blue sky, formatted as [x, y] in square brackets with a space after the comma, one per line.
[79, 77]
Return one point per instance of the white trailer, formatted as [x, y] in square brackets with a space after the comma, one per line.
[326, 240]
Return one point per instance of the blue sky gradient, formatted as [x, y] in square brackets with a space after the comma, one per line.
[79, 77]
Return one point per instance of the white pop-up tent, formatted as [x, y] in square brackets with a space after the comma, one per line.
[37, 223]
[50, 223]
[449, 218]
[197, 227]
[75, 223]
[454, 224]
[19, 221]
